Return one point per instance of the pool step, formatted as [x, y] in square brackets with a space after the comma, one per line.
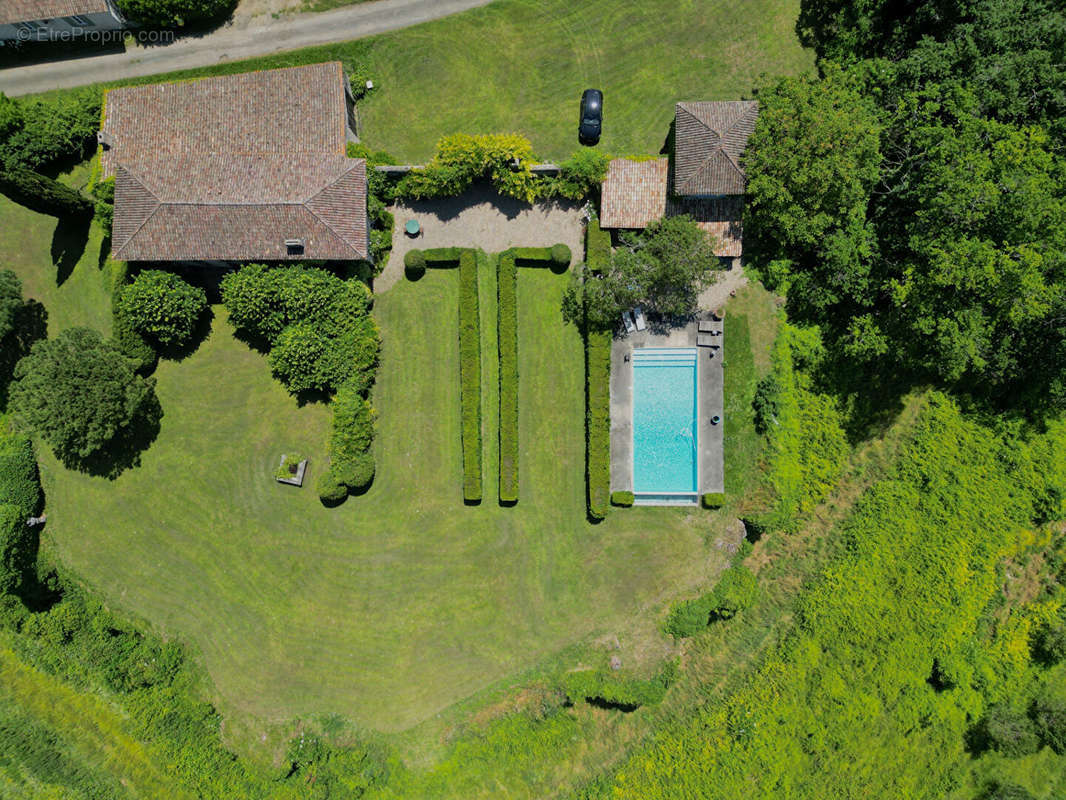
[664, 356]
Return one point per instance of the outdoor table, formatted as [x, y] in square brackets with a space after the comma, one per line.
[411, 227]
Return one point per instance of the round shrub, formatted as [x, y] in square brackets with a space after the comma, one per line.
[330, 490]
[414, 263]
[560, 255]
[713, 500]
[1009, 731]
[163, 307]
[357, 473]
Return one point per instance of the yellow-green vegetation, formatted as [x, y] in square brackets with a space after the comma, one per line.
[893, 645]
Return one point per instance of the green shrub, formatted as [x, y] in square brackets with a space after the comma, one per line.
[507, 320]
[38, 134]
[43, 195]
[20, 485]
[581, 175]
[134, 346]
[560, 256]
[764, 403]
[317, 324]
[353, 426]
[532, 254]
[622, 499]
[163, 308]
[357, 473]
[461, 159]
[414, 263]
[598, 422]
[176, 13]
[597, 247]
[81, 394]
[470, 375]
[736, 590]
[330, 490]
[610, 689]
[1049, 643]
[1049, 720]
[713, 500]
[103, 193]
[1008, 731]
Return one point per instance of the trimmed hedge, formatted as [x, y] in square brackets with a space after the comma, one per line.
[507, 329]
[444, 257]
[330, 490]
[560, 256]
[598, 422]
[597, 247]
[131, 343]
[713, 500]
[622, 499]
[414, 263]
[736, 590]
[470, 374]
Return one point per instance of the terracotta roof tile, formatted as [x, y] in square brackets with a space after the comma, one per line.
[235, 165]
[718, 216]
[709, 140]
[634, 193]
[32, 10]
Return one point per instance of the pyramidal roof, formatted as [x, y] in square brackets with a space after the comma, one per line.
[709, 140]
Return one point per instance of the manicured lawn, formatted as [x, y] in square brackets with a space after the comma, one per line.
[403, 601]
[521, 65]
[58, 264]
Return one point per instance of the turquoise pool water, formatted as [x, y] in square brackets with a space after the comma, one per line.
[664, 424]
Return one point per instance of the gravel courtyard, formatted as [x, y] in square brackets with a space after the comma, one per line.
[483, 218]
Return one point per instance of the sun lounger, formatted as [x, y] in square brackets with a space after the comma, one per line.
[639, 316]
[627, 318]
[705, 326]
[705, 340]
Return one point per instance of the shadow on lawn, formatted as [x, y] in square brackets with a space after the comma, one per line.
[68, 244]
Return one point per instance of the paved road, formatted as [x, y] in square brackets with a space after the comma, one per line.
[231, 44]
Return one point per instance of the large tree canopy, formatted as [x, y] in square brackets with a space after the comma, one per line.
[79, 393]
[662, 268]
[912, 202]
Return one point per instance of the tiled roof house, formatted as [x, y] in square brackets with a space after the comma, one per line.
[707, 180]
[32, 20]
[236, 168]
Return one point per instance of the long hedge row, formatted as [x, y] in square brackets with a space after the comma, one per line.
[597, 388]
[470, 374]
[507, 330]
[598, 422]
[557, 257]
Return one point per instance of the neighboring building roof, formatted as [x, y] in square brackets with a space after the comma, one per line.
[32, 10]
[709, 139]
[633, 193]
[228, 168]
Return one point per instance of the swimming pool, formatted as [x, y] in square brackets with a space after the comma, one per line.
[665, 466]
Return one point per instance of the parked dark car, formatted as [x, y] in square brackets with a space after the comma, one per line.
[588, 131]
